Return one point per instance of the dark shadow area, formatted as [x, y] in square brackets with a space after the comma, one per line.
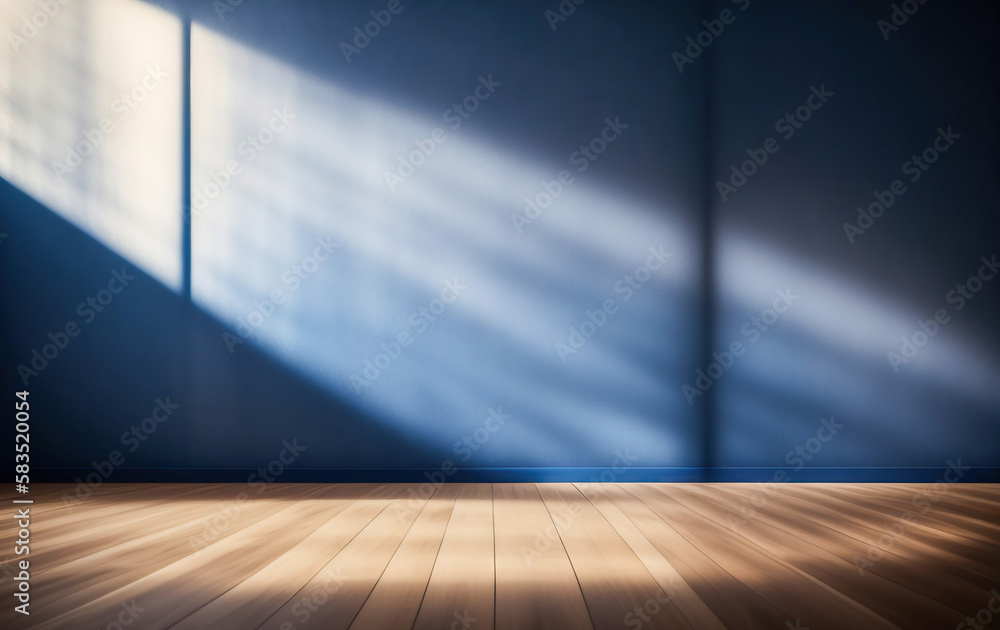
[148, 344]
[860, 291]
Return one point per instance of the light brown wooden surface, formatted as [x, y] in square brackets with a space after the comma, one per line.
[509, 556]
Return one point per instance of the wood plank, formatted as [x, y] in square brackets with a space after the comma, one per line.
[92, 575]
[985, 491]
[139, 522]
[395, 600]
[332, 599]
[535, 583]
[509, 556]
[670, 580]
[175, 591]
[55, 523]
[732, 601]
[932, 514]
[863, 525]
[617, 587]
[461, 586]
[250, 603]
[797, 593]
[826, 563]
[941, 586]
[955, 539]
[950, 495]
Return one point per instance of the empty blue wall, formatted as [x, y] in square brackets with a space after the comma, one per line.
[336, 191]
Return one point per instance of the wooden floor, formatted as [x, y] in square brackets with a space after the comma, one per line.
[509, 556]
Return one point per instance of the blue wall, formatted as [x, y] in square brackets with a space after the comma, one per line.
[858, 293]
[368, 281]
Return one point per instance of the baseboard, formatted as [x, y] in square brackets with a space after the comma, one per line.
[514, 475]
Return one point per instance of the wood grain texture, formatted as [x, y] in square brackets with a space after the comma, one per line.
[536, 586]
[461, 587]
[508, 556]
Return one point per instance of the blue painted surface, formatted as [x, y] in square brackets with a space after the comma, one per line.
[310, 247]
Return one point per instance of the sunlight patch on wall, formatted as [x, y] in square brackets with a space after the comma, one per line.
[296, 204]
[90, 122]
